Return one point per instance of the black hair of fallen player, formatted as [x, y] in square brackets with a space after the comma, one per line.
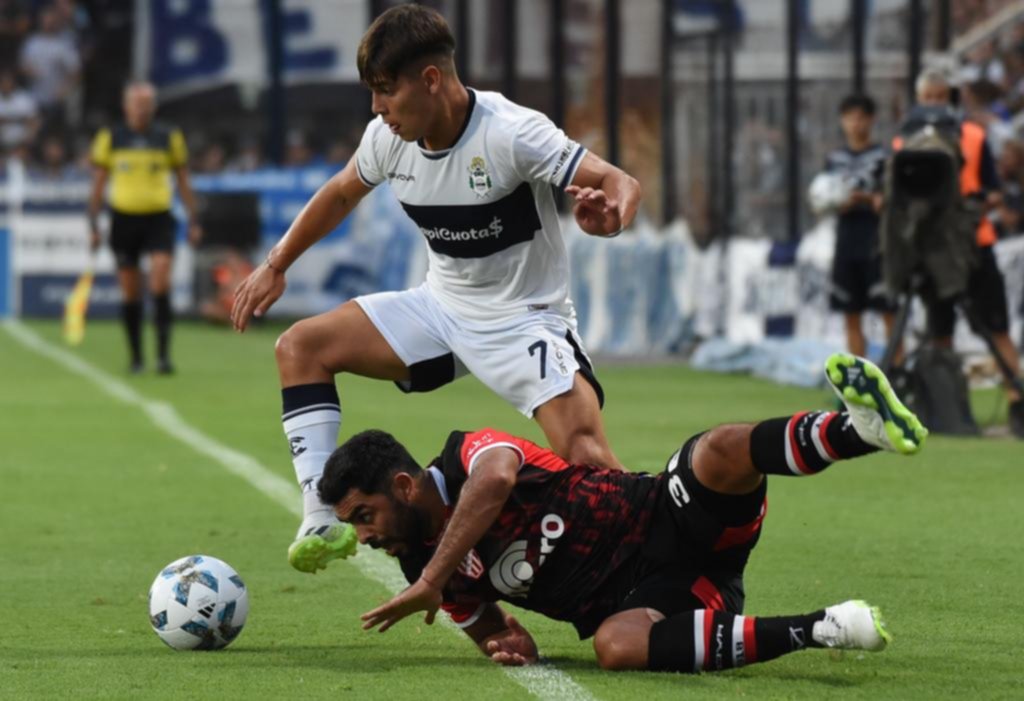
[398, 39]
[367, 461]
[857, 101]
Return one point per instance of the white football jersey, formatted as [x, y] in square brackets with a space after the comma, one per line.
[485, 206]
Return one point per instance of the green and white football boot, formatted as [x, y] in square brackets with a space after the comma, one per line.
[878, 416]
[852, 625]
[317, 545]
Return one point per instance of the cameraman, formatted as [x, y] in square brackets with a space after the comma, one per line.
[857, 264]
[986, 292]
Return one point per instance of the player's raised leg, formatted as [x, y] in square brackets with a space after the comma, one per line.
[732, 459]
[309, 355]
[711, 640]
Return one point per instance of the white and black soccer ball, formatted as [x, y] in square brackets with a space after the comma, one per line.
[827, 192]
[198, 603]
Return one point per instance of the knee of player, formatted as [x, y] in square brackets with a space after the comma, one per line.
[715, 446]
[293, 345]
[720, 453]
[614, 650]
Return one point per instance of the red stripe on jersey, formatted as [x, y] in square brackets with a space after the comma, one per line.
[460, 613]
[749, 641]
[824, 436]
[737, 535]
[709, 620]
[795, 445]
[533, 454]
[708, 593]
[541, 457]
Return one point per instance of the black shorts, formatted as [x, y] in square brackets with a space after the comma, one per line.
[986, 295]
[857, 286]
[131, 235]
[698, 545]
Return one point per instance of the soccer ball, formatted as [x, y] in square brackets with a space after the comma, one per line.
[826, 192]
[198, 603]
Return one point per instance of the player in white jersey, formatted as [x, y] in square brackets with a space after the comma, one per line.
[475, 172]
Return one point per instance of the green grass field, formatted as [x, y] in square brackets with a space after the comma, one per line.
[95, 499]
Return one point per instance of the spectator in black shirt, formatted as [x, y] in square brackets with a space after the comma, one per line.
[857, 266]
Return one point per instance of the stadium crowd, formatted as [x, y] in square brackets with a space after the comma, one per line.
[63, 64]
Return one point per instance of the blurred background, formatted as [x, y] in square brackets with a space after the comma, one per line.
[724, 110]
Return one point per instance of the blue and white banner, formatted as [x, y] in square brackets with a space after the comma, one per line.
[650, 291]
[187, 45]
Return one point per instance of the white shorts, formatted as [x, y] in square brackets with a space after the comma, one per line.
[530, 359]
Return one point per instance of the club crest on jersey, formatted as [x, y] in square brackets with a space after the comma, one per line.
[479, 178]
[471, 566]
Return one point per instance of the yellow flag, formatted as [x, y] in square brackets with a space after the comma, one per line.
[75, 306]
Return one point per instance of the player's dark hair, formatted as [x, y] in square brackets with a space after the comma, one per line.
[367, 461]
[857, 102]
[399, 38]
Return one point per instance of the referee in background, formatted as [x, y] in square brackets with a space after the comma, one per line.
[137, 158]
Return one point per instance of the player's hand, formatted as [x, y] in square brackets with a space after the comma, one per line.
[255, 294]
[595, 212]
[513, 647]
[420, 596]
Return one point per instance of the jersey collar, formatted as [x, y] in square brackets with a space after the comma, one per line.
[435, 155]
[442, 486]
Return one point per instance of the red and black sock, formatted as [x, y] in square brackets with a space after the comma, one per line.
[708, 640]
[805, 443]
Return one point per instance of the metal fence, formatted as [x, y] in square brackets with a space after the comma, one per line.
[724, 109]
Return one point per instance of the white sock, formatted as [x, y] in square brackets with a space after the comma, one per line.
[312, 432]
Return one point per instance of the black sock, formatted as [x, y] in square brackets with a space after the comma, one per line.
[131, 317]
[708, 640]
[162, 317]
[805, 443]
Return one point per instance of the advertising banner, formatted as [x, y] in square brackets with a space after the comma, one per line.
[188, 45]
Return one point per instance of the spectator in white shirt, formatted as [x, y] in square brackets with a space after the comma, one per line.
[19, 117]
[50, 60]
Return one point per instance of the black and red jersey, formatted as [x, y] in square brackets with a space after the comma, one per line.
[562, 533]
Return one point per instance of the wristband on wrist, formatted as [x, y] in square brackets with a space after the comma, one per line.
[272, 266]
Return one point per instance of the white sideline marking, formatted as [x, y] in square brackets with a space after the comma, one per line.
[543, 681]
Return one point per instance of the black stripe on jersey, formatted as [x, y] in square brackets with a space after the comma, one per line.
[567, 179]
[359, 172]
[480, 230]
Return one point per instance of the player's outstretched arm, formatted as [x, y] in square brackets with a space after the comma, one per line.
[502, 638]
[607, 197]
[327, 208]
[482, 497]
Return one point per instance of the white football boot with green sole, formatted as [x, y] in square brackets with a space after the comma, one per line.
[878, 416]
[852, 625]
